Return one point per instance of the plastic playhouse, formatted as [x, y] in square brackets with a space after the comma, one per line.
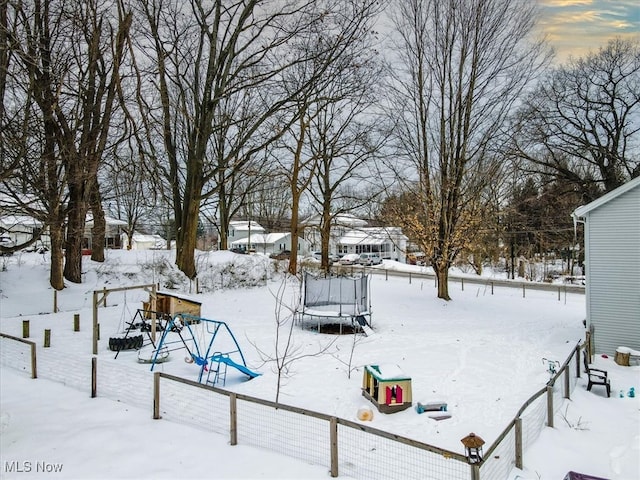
[387, 387]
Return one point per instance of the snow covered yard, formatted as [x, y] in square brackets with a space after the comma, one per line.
[482, 354]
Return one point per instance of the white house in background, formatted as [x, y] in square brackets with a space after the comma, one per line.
[350, 234]
[22, 228]
[612, 260]
[268, 243]
[239, 229]
[340, 224]
[389, 242]
[113, 231]
[141, 241]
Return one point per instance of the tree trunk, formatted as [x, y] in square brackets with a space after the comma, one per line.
[293, 257]
[56, 278]
[442, 275]
[186, 238]
[98, 231]
[75, 230]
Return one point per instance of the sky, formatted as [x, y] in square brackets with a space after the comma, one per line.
[482, 354]
[574, 27]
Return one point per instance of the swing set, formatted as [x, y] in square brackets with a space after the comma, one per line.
[197, 336]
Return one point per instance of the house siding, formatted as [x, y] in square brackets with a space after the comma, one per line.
[612, 241]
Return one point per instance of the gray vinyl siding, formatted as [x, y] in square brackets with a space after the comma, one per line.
[612, 241]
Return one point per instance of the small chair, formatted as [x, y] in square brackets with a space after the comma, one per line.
[596, 376]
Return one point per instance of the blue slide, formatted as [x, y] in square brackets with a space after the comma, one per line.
[237, 366]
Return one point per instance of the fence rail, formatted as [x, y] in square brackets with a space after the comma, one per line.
[343, 446]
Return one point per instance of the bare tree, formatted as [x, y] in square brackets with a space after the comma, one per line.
[67, 61]
[205, 57]
[344, 138]
[286, 350]
[582, 123]
[461, 66]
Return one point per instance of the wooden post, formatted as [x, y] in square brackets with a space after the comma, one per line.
[567, 387]
[475, 471]
[491, 288]
[55, 301]
[156, 396]
[462, 283]
[47, 337]
[518, 434]
[94, 376]
[409, 278]
[25, 329]
[98, 330]
[558, 293]
[233, 419]
[549, 406]
[95, 322]
[34, 369]
[386, 274]
[333, 435]
[523, 291]
[76, 322]
[577, 353]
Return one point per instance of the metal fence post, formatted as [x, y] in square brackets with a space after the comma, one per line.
[94, 376]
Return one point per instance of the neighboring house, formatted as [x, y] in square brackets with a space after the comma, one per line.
[242, 229]
[612, 260]
[350, 234]
[22, 228]
[389, 242]
[113, 232]
[141, 241]
[268, 243]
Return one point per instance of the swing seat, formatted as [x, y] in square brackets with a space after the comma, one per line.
[148, 354]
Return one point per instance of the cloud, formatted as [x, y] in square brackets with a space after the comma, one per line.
[575, 27]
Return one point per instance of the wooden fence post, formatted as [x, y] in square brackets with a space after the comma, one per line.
[549, 406]
[523, 291]
[462, 283]
[95, 323]
[518, 434]
[25, 329]
[94, 376]
[34, 369]
[333, 435]
[47, 337]
[156, 396]
[233, 419]
[76, 322]
[567, 386]
[55, 301]
[491, 288]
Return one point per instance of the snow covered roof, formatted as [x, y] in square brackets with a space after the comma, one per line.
[261, 238]
[107, 219]
[342, 219]
[244, 225]
[387, 372]
[370, 236]
[9, 221]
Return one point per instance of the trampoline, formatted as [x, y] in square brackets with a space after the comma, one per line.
[335, 302]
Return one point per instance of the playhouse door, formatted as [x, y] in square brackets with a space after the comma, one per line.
[388, 394]
[398, 394]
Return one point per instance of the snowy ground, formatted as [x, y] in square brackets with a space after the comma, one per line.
[480, 353]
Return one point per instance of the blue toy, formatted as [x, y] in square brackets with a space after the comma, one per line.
[632, 392]
[185, 328]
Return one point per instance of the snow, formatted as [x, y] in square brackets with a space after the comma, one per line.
[482, 354]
